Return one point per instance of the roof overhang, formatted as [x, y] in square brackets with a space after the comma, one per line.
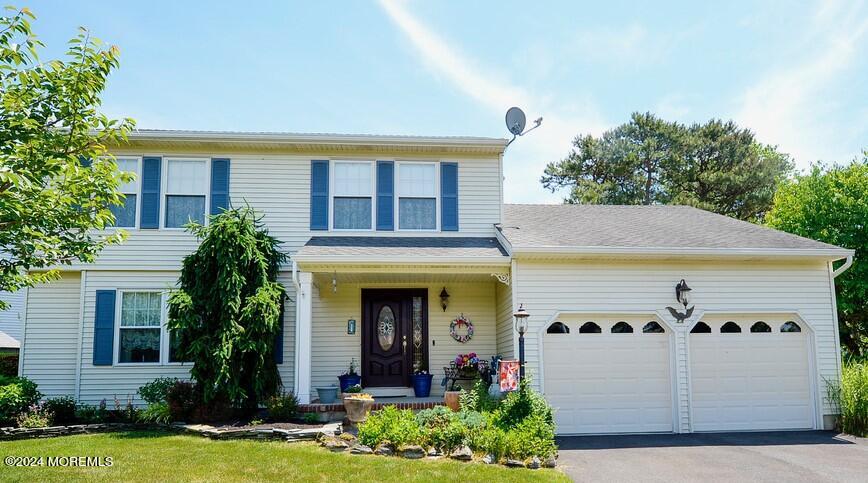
[311, 143]
[687, 252]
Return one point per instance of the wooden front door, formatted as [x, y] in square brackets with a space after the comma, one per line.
[390, 319]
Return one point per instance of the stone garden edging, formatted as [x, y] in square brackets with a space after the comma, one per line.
[10, 433]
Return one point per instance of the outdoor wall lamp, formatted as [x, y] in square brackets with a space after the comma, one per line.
[520, 317]
[682, 295]
[444, 299]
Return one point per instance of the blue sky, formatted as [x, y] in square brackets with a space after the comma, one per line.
[794, 72]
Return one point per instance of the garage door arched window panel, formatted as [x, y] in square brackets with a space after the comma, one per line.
[558, 328]
[652, 328]
[790, 326]
[760, 326]
[622, 328]
[730, 328]
[700, 328]
[590, 328]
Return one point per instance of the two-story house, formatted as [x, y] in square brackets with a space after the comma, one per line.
[393, 238]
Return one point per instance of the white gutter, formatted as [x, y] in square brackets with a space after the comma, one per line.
[403, 260]
[834, 253]
[843, 268]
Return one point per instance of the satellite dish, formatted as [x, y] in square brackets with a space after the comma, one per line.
[515, 121]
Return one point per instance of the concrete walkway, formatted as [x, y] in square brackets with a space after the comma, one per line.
[773, 457]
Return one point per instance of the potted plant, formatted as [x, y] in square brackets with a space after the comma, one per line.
[422, 383]
[350, 378]
[358, 405]
[467, 364]
[327, 394]
[354, 389]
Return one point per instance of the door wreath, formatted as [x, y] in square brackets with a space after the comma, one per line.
[461, 324]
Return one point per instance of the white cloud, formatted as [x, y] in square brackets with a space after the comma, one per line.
[794, 104]
[526, 158]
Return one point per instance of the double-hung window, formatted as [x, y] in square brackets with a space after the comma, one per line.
[353, 205]
[186, 191]
[417, 196]
[142, 334]
[125, 214]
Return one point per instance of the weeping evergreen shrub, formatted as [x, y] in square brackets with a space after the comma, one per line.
[226, 312]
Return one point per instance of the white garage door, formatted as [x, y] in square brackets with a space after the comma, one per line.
[749, 375]
[603, 379]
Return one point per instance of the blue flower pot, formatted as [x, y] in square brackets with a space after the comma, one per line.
[347, 381]
[327, 395]
[422, 384]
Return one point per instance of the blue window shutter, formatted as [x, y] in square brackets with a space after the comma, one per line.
[219, 185]
[385, 195]
[150, 215]
[104, 328]
[449, 196]
[319, 195]
[278, 340]
[85, 162]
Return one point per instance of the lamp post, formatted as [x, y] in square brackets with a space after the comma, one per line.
[520, 317]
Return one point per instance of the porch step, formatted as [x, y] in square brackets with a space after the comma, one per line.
[426, 403]
[389, 391]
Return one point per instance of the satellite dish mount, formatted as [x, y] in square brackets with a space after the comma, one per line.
[516, 121]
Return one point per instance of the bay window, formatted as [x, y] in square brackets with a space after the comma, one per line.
[417, 196]
[353, 195]
[125, 214]
[186, 190]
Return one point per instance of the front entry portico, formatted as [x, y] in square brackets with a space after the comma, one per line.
[394, 336]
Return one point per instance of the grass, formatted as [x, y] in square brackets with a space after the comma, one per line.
[851, 397]
[158, 456]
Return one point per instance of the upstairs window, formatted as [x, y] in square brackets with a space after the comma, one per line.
[186, 190]
[417, 196]
[125, 214]
[353, 200]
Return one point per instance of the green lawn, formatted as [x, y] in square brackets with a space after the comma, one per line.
[156, 456]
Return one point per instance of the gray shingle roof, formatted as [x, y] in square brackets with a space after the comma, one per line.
[386, 246]
[663, 227]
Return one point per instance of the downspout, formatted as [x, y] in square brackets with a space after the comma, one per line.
[833, 274]
[297, 286]
[843, 268]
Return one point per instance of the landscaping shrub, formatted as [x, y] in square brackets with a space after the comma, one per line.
[282, 407]
[181, 398]
[477, 398]
[63, 410]
[851, 397]
[311, 418]
[157, 412]
[36, 416]
[533, 436]
[17, 394]
[489, 440]
[441, 429]
[390, 425]
[8, 365]
[87, 414]
[521, 404]
[472, 420]
[156, 390]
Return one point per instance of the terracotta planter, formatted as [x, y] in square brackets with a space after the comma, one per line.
[357, 409]
[451, 398]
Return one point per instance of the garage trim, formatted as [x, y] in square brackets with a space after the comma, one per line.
[651, 315]
[817, 403]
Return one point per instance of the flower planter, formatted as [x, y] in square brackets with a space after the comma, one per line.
[357, 409]
[327, 395]
[349, 380]
[422, 384]
[451, 398]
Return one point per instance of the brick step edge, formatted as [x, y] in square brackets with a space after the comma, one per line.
[339, 407]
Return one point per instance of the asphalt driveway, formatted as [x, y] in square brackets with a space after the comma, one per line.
[774, 457]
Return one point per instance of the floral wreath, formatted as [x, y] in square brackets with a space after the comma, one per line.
[456, 324]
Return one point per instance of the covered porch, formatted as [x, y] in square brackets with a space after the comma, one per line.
[382, 307]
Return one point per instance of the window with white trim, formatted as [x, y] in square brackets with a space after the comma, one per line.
[352, 202]
[417, 196]
[142, 333]
[186, 191]
[125, 214]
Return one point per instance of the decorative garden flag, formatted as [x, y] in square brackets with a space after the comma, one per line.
[509, 371]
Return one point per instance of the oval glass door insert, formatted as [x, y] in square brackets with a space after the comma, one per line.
[386, 328]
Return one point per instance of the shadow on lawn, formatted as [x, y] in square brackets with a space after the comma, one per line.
[777, 438]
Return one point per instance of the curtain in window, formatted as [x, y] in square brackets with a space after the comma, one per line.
[180, 210]
[140, 345]
[417, 214]
[125, 214]
[352, 214]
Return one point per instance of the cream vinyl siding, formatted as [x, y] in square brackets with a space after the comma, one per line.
[547, 288]
[278, 187]
[505, 326]
[49, 358]
[98, 382]
[12, 319]
[332, 349]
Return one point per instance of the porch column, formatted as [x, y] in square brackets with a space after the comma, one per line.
[304, 308]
